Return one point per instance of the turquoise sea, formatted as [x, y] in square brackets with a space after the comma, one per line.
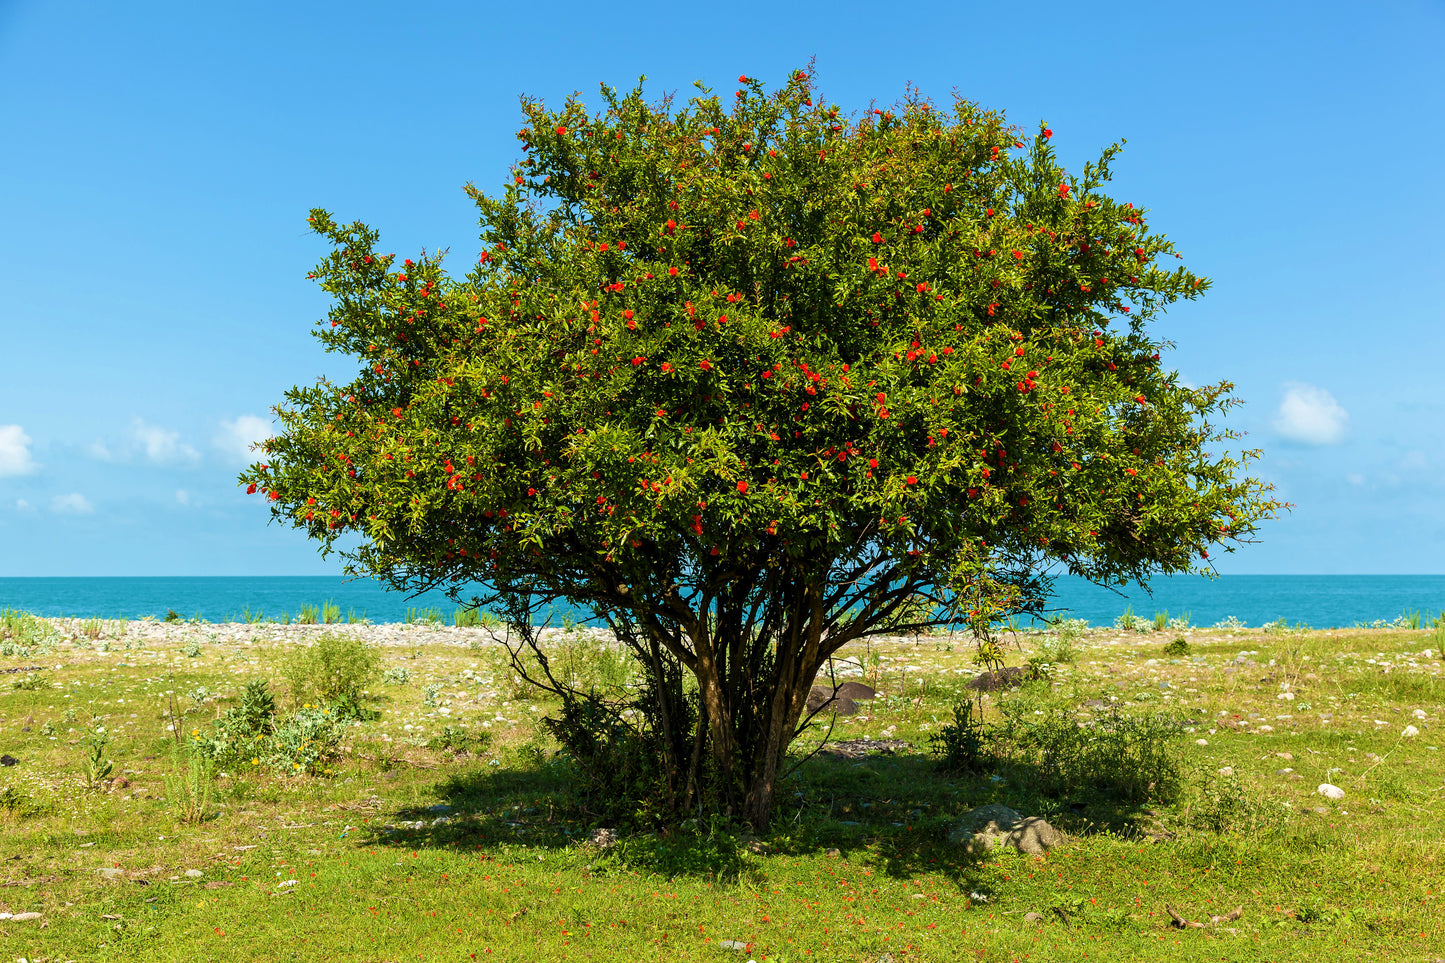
[1319, 601]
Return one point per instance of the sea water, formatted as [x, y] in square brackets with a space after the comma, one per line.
[1317, 601]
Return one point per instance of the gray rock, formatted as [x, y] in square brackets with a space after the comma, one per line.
[732, 945]
[1033, 917]
[996, 826]
[23, 917]
[111, 872]
[1330, 791]
[194, 873]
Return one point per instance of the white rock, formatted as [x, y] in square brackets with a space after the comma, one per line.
[22, 917]
[286, 883]
[1201, 742]
[1418, 713]
[1330, 792]
[1410, 732]
[1227, 771]
[194, 873]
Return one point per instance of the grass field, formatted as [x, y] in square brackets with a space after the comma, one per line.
[444, 829]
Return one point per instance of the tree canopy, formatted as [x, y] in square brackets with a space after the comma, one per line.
[749, 380]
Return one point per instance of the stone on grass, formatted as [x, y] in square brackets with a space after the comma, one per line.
[194, 873]
[1033, 917]
[1418, 713]
[1330, 792]
[1410, 732]
[24, 917]
[996, 826]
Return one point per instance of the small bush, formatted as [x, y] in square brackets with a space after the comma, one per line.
[330, 613]
[189, 789]
[1128, 621]
[309, 615]
[32, 681]
[173, 616]
[960, 746]
[1129, 758]
[307, 742]
[243, 733]
[1179, 647]
[1220, 803]
[457, 738]
[334, 670]
[471, 617]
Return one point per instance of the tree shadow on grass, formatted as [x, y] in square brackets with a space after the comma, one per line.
[890, 813]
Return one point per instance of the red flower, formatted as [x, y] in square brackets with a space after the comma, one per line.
[877, 238]
[873, 463]
[396, 412]
[1130, 471]
[251, 489]
[638, 360]
[561, 132]
[705, 364]
[743, 487]
[1063, 190]
[1019, 255]
[911, 480]
[627, 314]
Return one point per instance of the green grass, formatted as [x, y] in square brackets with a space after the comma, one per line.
[856, 867]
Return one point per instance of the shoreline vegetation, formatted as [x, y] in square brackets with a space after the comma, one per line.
[1293, 775]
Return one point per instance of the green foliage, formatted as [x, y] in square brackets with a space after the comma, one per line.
[1219, 802]
[471, 617]
[1161, 620]
[335, 669]
[752, 377]
[1130, 758]
[330, 613]
[961, 744]
[173, 616]
[243, 732]
[189, 787]
[31, 681]
[94, 765]
[457, 738]
[415, 616]
[1129, 622]
[1179, 647]
[307, 741]
[309, 615]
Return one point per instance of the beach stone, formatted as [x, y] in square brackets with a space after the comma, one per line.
[1410, 732]
[194, 873]
[996, 826]
[1033, 917]
[1286, 756]
[111, 872]
[1330, 792]
[24, 917]
[8, 760]
[1418, 713]
[738, 945]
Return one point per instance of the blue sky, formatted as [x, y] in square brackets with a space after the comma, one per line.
[160, 160]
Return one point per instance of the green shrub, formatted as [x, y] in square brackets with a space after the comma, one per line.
[243, 733]
[307, 742]
[335, 670]
[309, 615]
[471, 617]
[188, 788]
[960, 746]
[1179, 647]
[1130, 758]
[457, 738]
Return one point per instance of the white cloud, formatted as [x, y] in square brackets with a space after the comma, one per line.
[97, 449]
[1355, 478]
[1310, 415]
[15, 451]
[161, 445]
[183, 497]
[235, 438]
[21, 505]
[72, 504]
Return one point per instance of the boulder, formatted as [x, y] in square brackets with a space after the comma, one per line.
[1009, 677]
[844, 698]
[996, 826]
